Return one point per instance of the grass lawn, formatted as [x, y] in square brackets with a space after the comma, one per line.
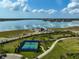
[67, 46]
[14, 33]
[31, 55]
[10, 48]
[74, 28]
[59, 50]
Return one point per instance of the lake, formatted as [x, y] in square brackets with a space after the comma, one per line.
[29, 24]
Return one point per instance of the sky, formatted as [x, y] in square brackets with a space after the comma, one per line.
[39, 8]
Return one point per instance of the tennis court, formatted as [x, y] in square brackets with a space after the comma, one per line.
[29, 45]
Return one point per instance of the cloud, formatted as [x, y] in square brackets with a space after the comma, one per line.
[24, 6]
[41, 10]
[49, 11]
[6, 4]
[18, 5]
[72, 7]
[34, 11]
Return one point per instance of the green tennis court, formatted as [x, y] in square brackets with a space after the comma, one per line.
[29, 45]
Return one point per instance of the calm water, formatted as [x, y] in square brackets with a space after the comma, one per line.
[29, 24]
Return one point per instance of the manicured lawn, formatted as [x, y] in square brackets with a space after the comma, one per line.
[67, 46]
[31, 55]
[60, 49]
[11, 46]
[14, 33]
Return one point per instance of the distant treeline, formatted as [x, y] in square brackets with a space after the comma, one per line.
[45, 19]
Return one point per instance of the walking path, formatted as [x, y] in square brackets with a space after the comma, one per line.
[51, 48]
[42, 48]
[4, 40]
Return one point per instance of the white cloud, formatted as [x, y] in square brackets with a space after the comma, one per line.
[34, 10]
[6, 4]
[24, 6]
[23, 2]
[75, 11]
[19, 4]
[49, 11]
[41, 10]
[72, 7]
